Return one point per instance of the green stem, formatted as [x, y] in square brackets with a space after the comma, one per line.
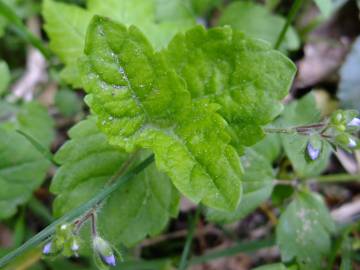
[341, 177]
[45, 233]
[184, 257]
[292, 13]
[22, 30]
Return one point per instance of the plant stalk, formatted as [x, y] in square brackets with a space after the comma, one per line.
[291, 16]
[184, 257]
[49, 230]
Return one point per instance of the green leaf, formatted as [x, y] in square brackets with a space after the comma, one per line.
[66, 25]
[68, 103]
[202, 7]
[326, 7]
[256, 21]
[275, 266]
[244, 75]
[4, 77]
[141, 102]
[303, 232]
[141, 207]
[257, 183]
[270, 147]
[22, 167]
[349, 87]
[302, 112]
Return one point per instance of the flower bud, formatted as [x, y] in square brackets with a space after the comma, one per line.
[352, 143]
[104, 250]
[355, 122]
[312, 151]
[47, 248]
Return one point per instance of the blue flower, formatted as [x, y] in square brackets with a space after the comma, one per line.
[47, 248]
[355, 122]
[312, 151]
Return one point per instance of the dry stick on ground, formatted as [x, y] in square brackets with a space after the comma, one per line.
[35, 72]
[346, 212]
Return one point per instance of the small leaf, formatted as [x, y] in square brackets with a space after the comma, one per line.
[139, 208]
[22, 167]
[303, 112]
[256, 21]
[257, 183]
[303, 232]
[68, 103]
[325, 6]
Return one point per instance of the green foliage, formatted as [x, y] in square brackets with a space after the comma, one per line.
[256, 21]
[303, 232]
[298, 113]
[326, 7]
[142, 102]
[243, 75]
[275, 266]
[4, 77]
[202, 7]
[67, 102]
[141, 207]
[159, 19]
[257, 185]
[349, 87]
[22, 167]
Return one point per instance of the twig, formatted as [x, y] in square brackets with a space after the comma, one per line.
[344, 213]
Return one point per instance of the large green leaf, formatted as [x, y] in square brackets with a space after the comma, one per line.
[257, 183]
[139, 208]
[303, 232]
[349, 87]
[244, 75]
[256, 21]
[22, 167]
[142, 102]
[297, 113]
[66, 24]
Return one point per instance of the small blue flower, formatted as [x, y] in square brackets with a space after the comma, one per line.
[352, 143]
[47, 248]
[312, 151]
[104, 250]
[355, 122]
[109, 260]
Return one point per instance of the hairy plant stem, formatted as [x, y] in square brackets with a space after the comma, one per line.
[303, 130]
[103, 194]
[184, 257]
[291, 16]
[331, 178]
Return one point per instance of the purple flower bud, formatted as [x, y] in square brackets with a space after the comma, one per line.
[312, 152]
[355, 122]
[47, 248]
[75, 246]
[352, 143]
[109, 260]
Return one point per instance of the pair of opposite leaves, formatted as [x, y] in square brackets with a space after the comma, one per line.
[195, 104]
